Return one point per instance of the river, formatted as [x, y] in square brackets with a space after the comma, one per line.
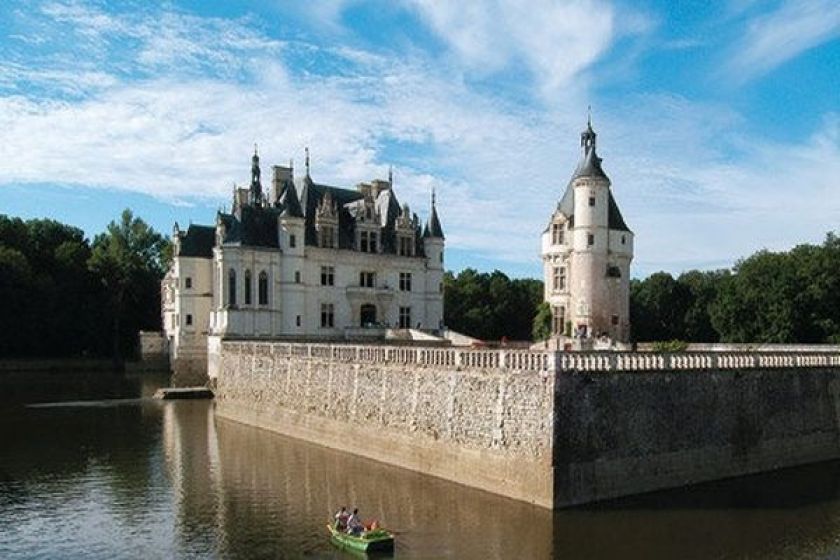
[92, 467]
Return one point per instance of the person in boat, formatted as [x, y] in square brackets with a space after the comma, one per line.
[341, 518]
[354, 524]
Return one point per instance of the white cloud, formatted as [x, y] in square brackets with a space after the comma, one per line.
[692, 189]
[555, 40]
[773, 38]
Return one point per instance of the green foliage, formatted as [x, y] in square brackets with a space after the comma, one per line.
[670, 346]
[56, 288]
[783, 297]
[542, 322]
[490, 306]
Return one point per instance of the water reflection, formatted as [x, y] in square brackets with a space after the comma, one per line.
[105, 478]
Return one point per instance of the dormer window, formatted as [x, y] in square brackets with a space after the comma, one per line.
[557, 234]
[368, 242]
[326, 237]
[406, 246]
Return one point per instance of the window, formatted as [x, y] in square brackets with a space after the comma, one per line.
[189, 319]
[613, 271]
[405, 281]
[367, 241]
[327, 316]
[188, 282]
[367, 279]
[556, 234]
[297, 320]
[232, 288]
[441, 256]
[292, 241]
[247, 287]
[590, 239]
[326, 237]
[263, 288]
[440, 287]
[406, 248]
[327, 276]
[558, 319]
[623, 239]
[405, 317]
[591, 201]
[614, 319]
[297, 276]
[558, 279]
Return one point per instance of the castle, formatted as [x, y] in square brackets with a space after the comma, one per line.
[303, 260]
[586, 252]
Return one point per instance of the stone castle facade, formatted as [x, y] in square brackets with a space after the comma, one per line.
[586, 251]
[304, 260]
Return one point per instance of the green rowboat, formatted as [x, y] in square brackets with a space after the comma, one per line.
[378, 540]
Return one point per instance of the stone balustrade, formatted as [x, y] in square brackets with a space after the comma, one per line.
[536, 361]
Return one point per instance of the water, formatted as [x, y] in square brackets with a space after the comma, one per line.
[100, 470]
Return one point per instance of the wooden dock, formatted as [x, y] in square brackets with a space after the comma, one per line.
[173, 393]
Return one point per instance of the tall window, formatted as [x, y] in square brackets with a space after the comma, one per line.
[247, 287]
[405, 281]
[558, 320]
[405, 317]
[556, 234]
[327, 316]
[327, 276]
[232, 288]
[292, 241]
[558, 280]
[263, 288]
[297, 276]
[367, 279]
[326, 237]
[367, 241]
[591, 201]
[188, 282]
[590, 239]
[406, 247]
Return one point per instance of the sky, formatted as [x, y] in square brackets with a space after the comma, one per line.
[718, 122]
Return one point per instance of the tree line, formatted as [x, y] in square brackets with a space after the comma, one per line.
[770, 297]
[65, 296]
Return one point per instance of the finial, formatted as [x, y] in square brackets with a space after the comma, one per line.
[433, 196]
[291, 164]
[306, 150]
[589, 116]
[256, 152]
[391, 175]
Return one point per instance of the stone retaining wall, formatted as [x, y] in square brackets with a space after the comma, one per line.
[549, 428]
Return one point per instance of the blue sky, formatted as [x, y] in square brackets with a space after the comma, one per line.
[718, 122]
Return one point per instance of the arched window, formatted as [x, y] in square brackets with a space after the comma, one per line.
[263, 288]
[232, 288]
[247, 287]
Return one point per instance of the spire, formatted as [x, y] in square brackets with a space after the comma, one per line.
[391, 175]
[306, 150]
[256, 186]
[590, 163]
[433, 228]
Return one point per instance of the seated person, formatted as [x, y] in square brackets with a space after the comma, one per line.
[341, 518]
[354, 524]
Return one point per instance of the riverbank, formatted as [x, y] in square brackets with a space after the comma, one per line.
[56, 365]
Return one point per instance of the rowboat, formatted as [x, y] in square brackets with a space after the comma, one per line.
[377, 540]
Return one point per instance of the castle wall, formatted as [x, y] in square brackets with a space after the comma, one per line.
[551, 429]
[455, 415]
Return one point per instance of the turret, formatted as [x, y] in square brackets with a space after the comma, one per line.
[433, 238]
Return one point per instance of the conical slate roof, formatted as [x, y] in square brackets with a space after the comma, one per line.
[433, 228]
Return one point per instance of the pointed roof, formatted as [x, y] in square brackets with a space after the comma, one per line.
[288, 201]
[433, 228]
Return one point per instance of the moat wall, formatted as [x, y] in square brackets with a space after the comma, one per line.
[548, 428]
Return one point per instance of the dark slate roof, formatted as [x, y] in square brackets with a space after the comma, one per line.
[198, 241]
[288, 202]
[590, 166]
[252, 226]
[433, 228]
[614, 218]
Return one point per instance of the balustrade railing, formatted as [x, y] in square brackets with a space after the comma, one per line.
[533, 361]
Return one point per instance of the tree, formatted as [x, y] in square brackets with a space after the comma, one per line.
[542, 322]
[128, 260]
[658, 305]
